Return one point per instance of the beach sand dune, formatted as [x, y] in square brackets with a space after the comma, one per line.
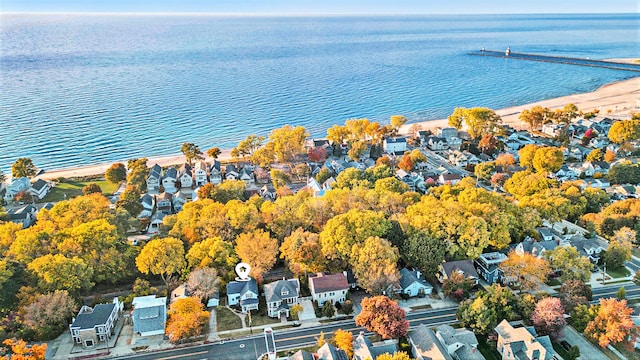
[617, 100]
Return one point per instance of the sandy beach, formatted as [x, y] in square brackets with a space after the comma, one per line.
[616, 100]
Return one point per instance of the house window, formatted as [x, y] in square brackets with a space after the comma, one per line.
[88, 342]
[285, 292]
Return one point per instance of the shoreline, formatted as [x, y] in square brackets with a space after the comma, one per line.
[619, 97]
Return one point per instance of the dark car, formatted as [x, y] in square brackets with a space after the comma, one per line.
[565, 345]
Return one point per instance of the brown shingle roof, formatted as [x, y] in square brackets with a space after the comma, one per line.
[324, 283]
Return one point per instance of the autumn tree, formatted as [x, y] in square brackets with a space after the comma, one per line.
[203, 283]
[488, 144]
[484, 170]
[163, 257]
[258, 249]
[526, 154]
[383, 316]
[213, 252]
[582, 315]
[595, 155]
[130, 201]
[116, 173]
[287, 142]
[279, 178]
[568, 261]
[91, 188]
[356, 150]
[138, 172]
[457, 286]
[423, 251]
[609, 156]
[397, 121]
[573, 293]
[187, 319]
[344, 340]
[206, 191]
[214, 152]
[624, 130]
[57, 272]
[23, 167]
[250, 144]
[400, 355]
[479, 121]
[619, 249]
[406, 163]
[49, 313]
[505, 160]
[345, 230]
[303, 252]
[230, 190]
[525, 183]
[527, 270]
[317, 154]
[374, 263]
[536, 116]
[191, 152]
[612, 324]
[18, 349]
[548, 159]
[548, 317]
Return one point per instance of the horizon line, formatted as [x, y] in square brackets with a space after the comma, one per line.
[275, 14]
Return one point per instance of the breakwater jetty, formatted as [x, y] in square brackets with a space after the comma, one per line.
[558, 59]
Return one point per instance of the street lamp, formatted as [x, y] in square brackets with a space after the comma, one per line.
[604, 273]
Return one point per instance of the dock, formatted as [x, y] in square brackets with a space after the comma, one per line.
[558, 60]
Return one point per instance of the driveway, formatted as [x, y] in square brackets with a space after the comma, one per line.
[588, 351]
[307, 313]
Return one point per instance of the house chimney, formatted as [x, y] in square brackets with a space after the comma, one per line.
[418, 273]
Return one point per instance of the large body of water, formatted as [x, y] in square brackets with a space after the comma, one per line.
[87, 89]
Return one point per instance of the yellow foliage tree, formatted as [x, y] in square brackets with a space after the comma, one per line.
[526, 269]
[258, 249]
[344, 340]
[187, 318]
[163, 257]
[612, 324]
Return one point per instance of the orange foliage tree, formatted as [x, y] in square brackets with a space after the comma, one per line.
[612, 323]
[15, 349]
[384, 317]
[187, 318]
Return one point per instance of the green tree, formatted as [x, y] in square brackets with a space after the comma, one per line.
[484, 170]
[487, 309]
[582, 315]
[374, 264]
[568, 261]
[116, 173]
[191, 152]
[619, 249]
[624, 173]
[130, 201]
[163, 257]
[57, 272]
[23, 167]
[424, 251]
[621, 294]
[328, 310]
[138, 173]
[323, 175]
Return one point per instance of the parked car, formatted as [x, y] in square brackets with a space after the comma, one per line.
[296, 324]
[565, 345]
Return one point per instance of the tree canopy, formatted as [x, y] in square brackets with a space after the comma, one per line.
[384, 317]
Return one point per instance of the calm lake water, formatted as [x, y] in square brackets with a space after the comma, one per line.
[86, 89]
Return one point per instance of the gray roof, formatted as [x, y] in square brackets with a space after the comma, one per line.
[396, 140]
[149, 318]
[466, 266]
[147, 199]
[301, 355]
[171, 173]
[427, 345]
[155, 171]
[465, 341]
[241, 287]
[230, 168]
[273, 291]
[330, 352]
[38, 185]
[544, 231]
[363, 348]
[185, 169]
[89, 318]
[408, 277]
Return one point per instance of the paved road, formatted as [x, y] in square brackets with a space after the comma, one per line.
[247, 348]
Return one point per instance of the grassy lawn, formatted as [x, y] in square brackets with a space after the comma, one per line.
[421, 307]
[560, 350]
[488, 350]
[618, 273]
[257, 320]
[74, 188]
[553, 282]
[227, 320]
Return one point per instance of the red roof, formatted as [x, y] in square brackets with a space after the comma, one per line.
[332, 282]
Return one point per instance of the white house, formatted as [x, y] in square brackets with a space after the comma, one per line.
[200, 173]
[395, 145]
[93, 325]
[244, 294]
[185, 176]
[148, 203]
[154, 179]
[40, 189]
[231, 172]
[413, 283]
[149, 315]
[164, 203]
[437, 143]
[332, 287]
[16, 186]
[280, 295]
[215, 175]
[179, 199]
[246, 175]
[169, 180]
[25, 215]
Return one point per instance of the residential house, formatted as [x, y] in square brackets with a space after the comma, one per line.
[262, 175]
[329, 183]
[413, 283]
[447, 132]
[148, 203]
[488, 266]
[246, 175]
[535, 248]
[178, 201]
[243, 294]
[16, 186]
[545, 233]
[149, 315]
[231, 172]
[553, 129]
[164, 203]
[522, 343]
[426, 346]
[302, 355]
[169, 180]
[93, 325]
[330, 352]
[214, 300]
[156, 221]
[329, 287]
[448, 178]
[461, 344]
[268, 192]
[185, 176]
[590, 248]
[567, 172]
[395, 145]
[280, 295]
[25, 215]
[200, 172]
[459, 158]
[436, 143]
[40, 189]
[215, 174]
[464, 267]
[314, 187]
[364, 349]
[154, 179]
[180, 292]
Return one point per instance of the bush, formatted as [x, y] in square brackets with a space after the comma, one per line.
[347, 308]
